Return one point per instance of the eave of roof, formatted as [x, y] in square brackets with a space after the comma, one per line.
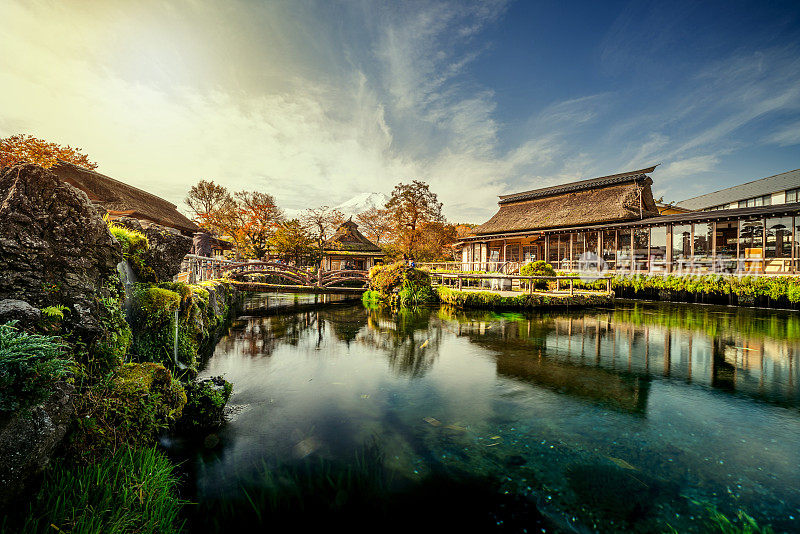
[689, 217]
[580, 185]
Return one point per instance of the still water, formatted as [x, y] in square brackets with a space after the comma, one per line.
[636, 418]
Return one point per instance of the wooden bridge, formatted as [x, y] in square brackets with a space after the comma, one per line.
[297, 279]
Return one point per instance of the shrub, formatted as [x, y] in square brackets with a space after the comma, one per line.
[29, 364]
[400, 285]
[538, 268]
[131, 491]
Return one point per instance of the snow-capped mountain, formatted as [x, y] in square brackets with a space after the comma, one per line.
[358, 204]
[363, 202]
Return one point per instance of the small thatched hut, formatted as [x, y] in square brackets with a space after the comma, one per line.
[122, 200]
[349, 249]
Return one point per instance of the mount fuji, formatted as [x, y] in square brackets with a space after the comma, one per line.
[361, 203]
[358, 204]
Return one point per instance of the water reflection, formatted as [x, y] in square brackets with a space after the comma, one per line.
[659, 404]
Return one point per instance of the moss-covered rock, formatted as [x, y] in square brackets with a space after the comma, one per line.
[203, 309]
[205, 405]
[130, 408]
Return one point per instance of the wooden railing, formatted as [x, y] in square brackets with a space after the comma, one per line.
[461, 280]
[505, 267]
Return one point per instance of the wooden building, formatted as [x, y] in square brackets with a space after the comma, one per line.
[612, 223]
[349, 249]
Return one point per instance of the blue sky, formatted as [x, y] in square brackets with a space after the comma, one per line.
[316, 102]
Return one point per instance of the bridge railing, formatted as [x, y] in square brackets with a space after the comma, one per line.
[196, 268]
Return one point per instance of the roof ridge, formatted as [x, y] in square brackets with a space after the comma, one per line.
[588, 183]
[62, 162]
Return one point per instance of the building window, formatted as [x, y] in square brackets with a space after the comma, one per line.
[751, 239]
[512, 253]
[765, 200]
[553, 251]
[726, 238]
[658, 248]
[529, 253]
[703, 249]
[624, 250]
[792, 195]
[778, 238]
[610, 248]
[681, 246]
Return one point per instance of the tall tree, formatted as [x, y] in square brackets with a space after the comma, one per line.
[410, 207]
[205, 198]
[23, 148]
[435, 241]
[376, 224]
[292, 242]
[321, 223]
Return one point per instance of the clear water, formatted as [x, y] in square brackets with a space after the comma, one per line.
[600, 420]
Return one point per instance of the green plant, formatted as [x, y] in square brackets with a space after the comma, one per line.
[134, 247]
[538, 268]
[29, 364]
[131, 491]
[55, 313]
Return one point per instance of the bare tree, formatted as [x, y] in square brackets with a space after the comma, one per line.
[376, 224]
[321, 223]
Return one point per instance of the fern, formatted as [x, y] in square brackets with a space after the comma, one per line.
[55, 312]
[29, 363]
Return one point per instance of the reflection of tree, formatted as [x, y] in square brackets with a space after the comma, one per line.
[345, 322]
[259, 336]
[410, 337]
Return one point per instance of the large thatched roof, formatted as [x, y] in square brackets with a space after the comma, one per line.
[348, 239]
[119, 198]
[616, 198]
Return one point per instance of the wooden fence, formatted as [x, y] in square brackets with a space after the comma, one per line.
[461, 280]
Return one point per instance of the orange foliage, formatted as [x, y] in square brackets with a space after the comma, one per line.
[23, 148]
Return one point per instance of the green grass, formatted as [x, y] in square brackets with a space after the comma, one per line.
[133, 491]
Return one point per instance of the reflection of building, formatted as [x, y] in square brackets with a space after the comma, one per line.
[616, 218]
[122, 200]
[349, 249]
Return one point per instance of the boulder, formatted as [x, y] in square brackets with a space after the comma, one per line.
[205, 405]
[55, 247]
[29, 438]
[19, 310]
[167, 247]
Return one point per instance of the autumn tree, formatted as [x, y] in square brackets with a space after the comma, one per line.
[375, 223]
[321, 223]
[257, 219]
[410, 207]
[207, 199]
[292, 242]
[436, 240]
[23, 148]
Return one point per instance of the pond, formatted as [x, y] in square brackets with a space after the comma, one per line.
[642, 417]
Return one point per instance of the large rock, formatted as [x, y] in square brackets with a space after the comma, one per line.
[29, 438]
[167, 247]
[19, 310]
[55, 247]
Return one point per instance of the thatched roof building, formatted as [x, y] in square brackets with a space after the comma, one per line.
[120, 199]
[616, 198]
[349, 248]
[348, 239]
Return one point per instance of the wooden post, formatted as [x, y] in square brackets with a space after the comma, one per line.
[558, 284]
[608, 285]
[459, 282]
[530, 283]
[570, 287]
